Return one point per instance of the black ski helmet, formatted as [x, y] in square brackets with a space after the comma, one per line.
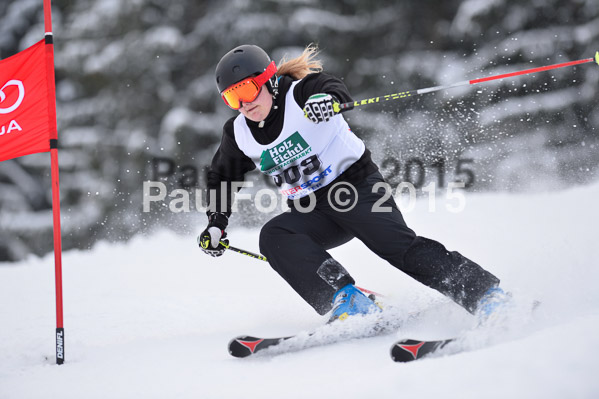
[242, 62]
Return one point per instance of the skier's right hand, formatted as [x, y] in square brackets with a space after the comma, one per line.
[212, 240]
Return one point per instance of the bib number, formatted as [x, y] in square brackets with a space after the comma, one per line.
[294, 173]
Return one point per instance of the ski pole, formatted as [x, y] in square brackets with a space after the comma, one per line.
[243, 252]
[337, 107]
[262, 257]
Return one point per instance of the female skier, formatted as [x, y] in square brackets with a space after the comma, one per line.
[288, 128]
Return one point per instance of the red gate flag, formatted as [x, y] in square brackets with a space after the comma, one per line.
[28, 126]
[25, 104]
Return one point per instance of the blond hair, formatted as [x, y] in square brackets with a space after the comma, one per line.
[300, 67]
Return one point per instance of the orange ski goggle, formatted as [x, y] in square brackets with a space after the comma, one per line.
[248, 89]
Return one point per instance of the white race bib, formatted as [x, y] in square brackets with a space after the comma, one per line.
[306, 156]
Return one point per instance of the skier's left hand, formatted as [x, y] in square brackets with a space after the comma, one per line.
[319, 107]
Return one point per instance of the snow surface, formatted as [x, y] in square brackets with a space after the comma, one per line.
[152, 318]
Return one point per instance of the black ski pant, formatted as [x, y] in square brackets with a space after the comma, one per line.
[296, 244]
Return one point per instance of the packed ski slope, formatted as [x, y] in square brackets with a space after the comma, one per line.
[152, 318]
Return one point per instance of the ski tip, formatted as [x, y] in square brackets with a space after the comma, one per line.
[406, 350]
[597, 57]
[243, 346]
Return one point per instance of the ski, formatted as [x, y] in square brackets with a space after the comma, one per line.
[354, 328]
[328, 334]
[247, 345]
[408, 350]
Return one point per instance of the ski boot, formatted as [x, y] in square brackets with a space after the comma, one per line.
[350, 301]
[493, 304]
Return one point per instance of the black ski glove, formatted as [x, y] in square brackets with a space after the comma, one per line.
[212, 238]
[319, 107]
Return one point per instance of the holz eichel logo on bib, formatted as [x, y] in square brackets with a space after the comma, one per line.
[284, 153]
